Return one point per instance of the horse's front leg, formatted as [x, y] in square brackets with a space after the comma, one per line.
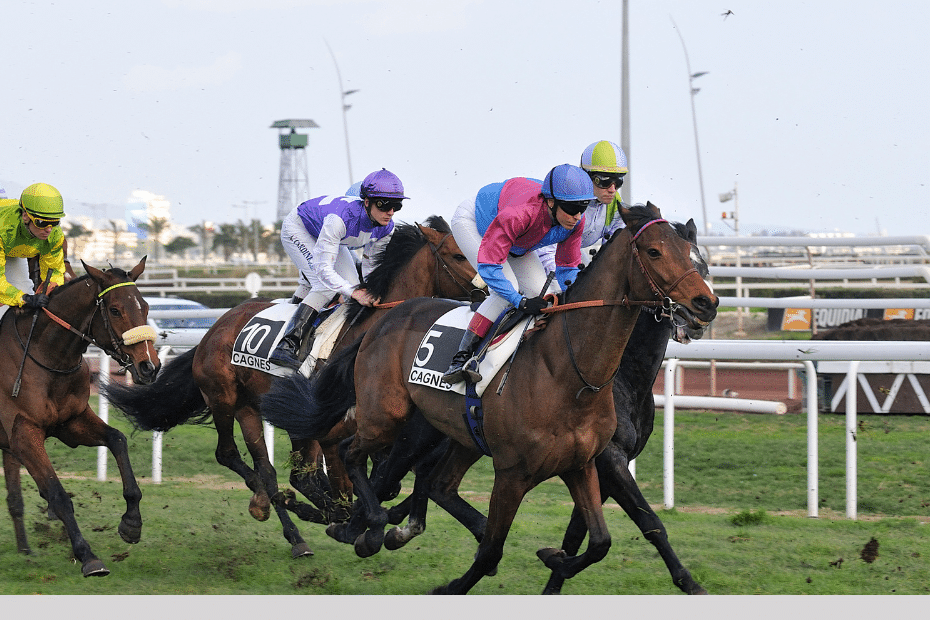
[86, 429]
[14, 499]
[365, 528]
[250, 422]
[617, 482]
[583, 485]
[27, 441]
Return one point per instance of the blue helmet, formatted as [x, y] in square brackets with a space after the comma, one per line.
[382, 184]
[568, 183]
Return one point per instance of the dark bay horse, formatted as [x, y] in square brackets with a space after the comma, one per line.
[635, 409]
[202, 383]
[103, 308]
[552, 420]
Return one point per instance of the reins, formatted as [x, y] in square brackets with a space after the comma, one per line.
[664, 308]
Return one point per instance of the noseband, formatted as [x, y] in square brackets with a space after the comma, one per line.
[441, 262]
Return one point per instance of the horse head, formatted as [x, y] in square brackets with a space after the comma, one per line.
[122, 330]
[455, 275]
[681, 331]
[666, 261]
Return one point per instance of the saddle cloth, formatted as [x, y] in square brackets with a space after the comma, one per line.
[264, 331]
[442, 341]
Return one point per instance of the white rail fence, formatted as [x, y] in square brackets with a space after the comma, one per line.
[793, 355]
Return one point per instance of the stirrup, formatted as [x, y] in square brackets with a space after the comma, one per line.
[457, 375]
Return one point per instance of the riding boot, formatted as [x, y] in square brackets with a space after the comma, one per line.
[300, 327]
[457, 370]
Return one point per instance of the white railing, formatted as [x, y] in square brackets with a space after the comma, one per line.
[807, 352]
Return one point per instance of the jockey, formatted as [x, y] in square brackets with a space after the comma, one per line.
[29, 228]
[319, 236]
[606, 164]
[498, 232]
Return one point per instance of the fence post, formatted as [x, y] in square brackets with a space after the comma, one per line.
[103, 411]
[852, 389]
[813, 491]
[668, 452]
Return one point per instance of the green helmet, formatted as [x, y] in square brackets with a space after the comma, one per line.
[42, 200]
[604, 156]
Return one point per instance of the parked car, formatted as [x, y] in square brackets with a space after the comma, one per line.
[187, 332]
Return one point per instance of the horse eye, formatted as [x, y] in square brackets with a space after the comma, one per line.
[653, 253]
[115, 312]
[459, 257]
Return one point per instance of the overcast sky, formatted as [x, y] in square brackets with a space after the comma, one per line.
[816, 111]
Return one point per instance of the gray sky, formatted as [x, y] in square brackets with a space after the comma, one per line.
[817, 110]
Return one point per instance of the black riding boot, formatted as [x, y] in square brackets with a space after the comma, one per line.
[285, 354]
[457, 370]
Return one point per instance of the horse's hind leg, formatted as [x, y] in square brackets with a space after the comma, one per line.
[583, 485]
[27, 442]
[227, 455]
[14, 499]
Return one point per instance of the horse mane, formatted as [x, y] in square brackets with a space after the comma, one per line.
[405, 242]
[116, 271]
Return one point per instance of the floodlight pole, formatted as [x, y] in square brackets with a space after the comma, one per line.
[342, 95]
[694, 91]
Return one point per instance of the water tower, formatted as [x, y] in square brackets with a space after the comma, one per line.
[293, 180]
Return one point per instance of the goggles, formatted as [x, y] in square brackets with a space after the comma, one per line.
[388, 205]
[604, 181]
[42, 222]
[572, 208]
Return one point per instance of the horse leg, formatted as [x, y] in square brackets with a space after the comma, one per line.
[251, 424]
[27, 441]
[583, 485]
[227, 455]
[619, 483]
[14, 499]
[87, 429]
[506, 495]
[365, 529]
[444, 484]
[308, 478]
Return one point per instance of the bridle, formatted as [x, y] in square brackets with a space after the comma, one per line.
[115, 349]
[664, 308]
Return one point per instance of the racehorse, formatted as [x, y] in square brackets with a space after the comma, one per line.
[554, 417]
[45, 386]
[202, 382]
[635, 409]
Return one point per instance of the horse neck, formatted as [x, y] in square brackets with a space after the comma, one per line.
[418, 278]
[75, 306]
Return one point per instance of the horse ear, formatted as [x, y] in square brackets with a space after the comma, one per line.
[654, 208]
[93, 272]
[138, 269]
[429, 233]
[691, 227]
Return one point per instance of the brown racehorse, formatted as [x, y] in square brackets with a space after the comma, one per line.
[418, 261]
[552, 419]
[103, 308]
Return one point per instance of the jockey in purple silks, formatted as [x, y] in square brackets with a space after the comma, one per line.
[320, 236]
[499, 231]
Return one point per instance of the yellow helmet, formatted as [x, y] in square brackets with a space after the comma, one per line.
[42, 200]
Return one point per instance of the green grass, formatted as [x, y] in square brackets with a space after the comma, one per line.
[739, 524]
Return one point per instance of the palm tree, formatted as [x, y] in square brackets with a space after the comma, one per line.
[227, 239]
[76, 232]
[116, 247]
[155, 227]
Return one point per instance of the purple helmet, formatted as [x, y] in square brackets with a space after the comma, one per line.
[382, 184]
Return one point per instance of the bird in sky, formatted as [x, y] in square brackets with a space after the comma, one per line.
[727, 14]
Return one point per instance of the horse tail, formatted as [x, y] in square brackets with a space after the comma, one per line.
[173, 398]
[310, 409]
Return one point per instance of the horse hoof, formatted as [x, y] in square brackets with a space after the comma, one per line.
[369, 543]
[551, 557]
[260, 507]
[130, 533]
[301, 550]
[336, 531]
[94, 568]
[394, 539]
